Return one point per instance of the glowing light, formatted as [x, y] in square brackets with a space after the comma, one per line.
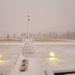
[53, 58]
[52, 54]
[1, 61]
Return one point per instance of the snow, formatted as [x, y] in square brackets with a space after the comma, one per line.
[28, 50]
[33, 67]
[9, 43]
[64, 51]
[9, 54]
[54, 43]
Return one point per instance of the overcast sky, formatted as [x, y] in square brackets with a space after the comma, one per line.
[45, 16]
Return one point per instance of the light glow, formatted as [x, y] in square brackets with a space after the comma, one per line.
[52, 57]
[1, 61]
[52, 54]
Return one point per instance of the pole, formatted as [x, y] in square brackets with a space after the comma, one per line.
[27, 27]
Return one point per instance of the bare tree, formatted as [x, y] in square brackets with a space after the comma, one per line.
[8, 36]
[14, 35]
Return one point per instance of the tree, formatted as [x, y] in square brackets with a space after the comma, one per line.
[14, 35]
[8, 36]
[23, 35]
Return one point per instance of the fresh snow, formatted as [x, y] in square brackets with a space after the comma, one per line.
[33, 67]
[64, 51]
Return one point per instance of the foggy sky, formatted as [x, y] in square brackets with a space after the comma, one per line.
[45, 16]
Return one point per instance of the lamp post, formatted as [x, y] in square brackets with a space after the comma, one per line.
[28, 19]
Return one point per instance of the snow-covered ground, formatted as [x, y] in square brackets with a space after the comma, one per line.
[64, 56]
[64, 53]
[9, 55]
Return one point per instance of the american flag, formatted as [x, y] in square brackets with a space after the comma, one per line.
[28, 17]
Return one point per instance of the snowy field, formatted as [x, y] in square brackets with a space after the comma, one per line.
[63, 58]
[8, 57]
[64, 53]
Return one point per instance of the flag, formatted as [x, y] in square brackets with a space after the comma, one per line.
[28, 16]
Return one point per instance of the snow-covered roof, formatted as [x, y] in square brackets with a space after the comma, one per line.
[33, 67]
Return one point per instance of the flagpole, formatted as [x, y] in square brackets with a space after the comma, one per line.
[28, 19]
[27, 27]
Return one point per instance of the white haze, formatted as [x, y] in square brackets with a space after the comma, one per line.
[45, 16]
